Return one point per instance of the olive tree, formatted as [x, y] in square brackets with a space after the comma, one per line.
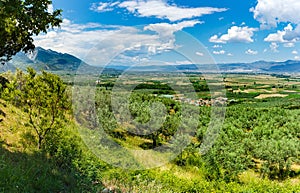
[277, 156]
[44, 98]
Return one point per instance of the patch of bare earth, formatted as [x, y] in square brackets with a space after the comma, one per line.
[263, 96]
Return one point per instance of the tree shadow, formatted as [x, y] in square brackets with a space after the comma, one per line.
[2, 114]
[36, 172]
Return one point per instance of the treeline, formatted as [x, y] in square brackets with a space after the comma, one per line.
[260, 138]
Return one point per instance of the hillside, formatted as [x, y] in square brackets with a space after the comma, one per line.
[23, 168]
[246, 157]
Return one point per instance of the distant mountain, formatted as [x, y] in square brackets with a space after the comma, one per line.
[42, 59]
[49, 60]
[237, 67]
[290, 66]
[55, 61]
[287, 66]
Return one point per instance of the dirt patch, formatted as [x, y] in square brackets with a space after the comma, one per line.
[289, 91]
[257, 90]
[263, 96]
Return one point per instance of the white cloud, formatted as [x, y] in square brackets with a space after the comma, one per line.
[271, 12]
[295, 52]
[229, 54]
[275, 37]
[166, 30]
[289, 45]
[217, 46]
[103, 7]
[235, 34]
[297, 57]
[177, 62]
[185, 62]
[221, 52]
[199, 54]
[251, 52]
[68, 26]
[280, 36]
[102, 43]
[293, 35]
[157, 8]
[215, 39]
[274, 47]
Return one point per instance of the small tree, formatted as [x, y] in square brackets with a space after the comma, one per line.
[45, 100]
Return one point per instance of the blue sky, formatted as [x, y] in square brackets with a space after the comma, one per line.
[128, 31]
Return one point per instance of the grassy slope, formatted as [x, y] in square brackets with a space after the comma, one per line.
[24, 169]
[173, 178]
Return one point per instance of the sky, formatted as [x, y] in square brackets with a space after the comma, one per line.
[176, 31]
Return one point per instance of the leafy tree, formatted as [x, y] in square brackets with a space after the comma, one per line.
[228, 157]
[45, 100]
[153, 118]
[277, 156]
[22, 19]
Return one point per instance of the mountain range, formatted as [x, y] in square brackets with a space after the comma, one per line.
[49, 60]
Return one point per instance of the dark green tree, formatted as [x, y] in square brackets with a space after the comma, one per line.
[20, 20]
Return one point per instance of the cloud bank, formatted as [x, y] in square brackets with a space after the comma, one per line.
[157, 8]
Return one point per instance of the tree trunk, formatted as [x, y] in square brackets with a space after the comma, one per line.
[40, 141]
[154, 139]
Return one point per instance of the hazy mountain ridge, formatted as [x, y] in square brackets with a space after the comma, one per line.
[49, 60]
[289, 66]
[42, 59]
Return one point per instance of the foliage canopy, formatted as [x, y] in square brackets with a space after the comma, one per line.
[20, 20]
